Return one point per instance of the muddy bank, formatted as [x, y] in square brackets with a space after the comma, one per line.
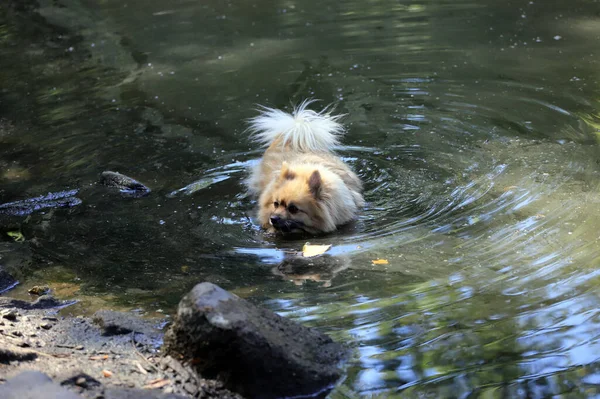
[241, 349]
[111, 355]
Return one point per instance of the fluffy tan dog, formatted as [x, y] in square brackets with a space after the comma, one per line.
[301, 185]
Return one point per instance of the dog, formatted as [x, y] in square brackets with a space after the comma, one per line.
[300, 183]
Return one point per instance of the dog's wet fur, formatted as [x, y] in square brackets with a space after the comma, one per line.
[301, 185]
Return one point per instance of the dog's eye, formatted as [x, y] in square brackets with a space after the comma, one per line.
[292, 208]
[276, 204]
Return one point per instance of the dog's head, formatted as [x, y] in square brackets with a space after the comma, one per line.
[296, 202]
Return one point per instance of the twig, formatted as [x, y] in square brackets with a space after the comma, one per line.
[140, 354]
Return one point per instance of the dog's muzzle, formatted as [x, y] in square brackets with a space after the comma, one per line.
[286, 225]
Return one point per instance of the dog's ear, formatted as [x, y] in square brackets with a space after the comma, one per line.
[315, 184]
[286, 172]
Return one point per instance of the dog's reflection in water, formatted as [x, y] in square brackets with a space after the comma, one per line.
[321, 269]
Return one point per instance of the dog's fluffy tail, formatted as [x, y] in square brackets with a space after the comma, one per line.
[303, 129]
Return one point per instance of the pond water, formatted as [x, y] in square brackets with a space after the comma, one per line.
[474, 125]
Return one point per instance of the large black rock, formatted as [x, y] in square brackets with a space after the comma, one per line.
[253, 351]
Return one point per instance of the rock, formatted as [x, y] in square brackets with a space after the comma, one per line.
[34, 385]
[43, 302]
[126, 185]
[46, 326]
[10, 355]
[253, 351]
[9, 314]
[61, 199]
[118, 323]
[49, 302]
[39, 290]
[7, 282]
[82, 380]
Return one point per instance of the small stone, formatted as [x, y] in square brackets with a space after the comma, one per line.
[17, 333]
[82, 382]
[190, 388]
[10, 314]
[46, 326]
[39, 290]
[79, 347]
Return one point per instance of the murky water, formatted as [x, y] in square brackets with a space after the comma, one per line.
[473, 124]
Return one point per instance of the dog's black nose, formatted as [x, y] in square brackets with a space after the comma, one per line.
[275, 220]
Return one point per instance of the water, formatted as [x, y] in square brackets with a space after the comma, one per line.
[473, 124]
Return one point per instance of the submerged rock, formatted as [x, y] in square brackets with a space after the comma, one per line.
[43, 302]
[252, 350]
[125, 184]
[7, 281]
[61, 199]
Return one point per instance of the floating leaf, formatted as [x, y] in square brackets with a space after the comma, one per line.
[314, 250]
[380, 262]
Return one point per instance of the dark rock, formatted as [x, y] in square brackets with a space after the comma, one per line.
[46, 326]
[34, 385]
[7, 282]
[9, 314]
[43, 302]
[49, 302]
[125, 184]
[253, 351]
[61, 199]
[82, 380]
[117, 323]
[10, 355]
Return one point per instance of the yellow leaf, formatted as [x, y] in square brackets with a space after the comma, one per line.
[380, 262]
[314, 250]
